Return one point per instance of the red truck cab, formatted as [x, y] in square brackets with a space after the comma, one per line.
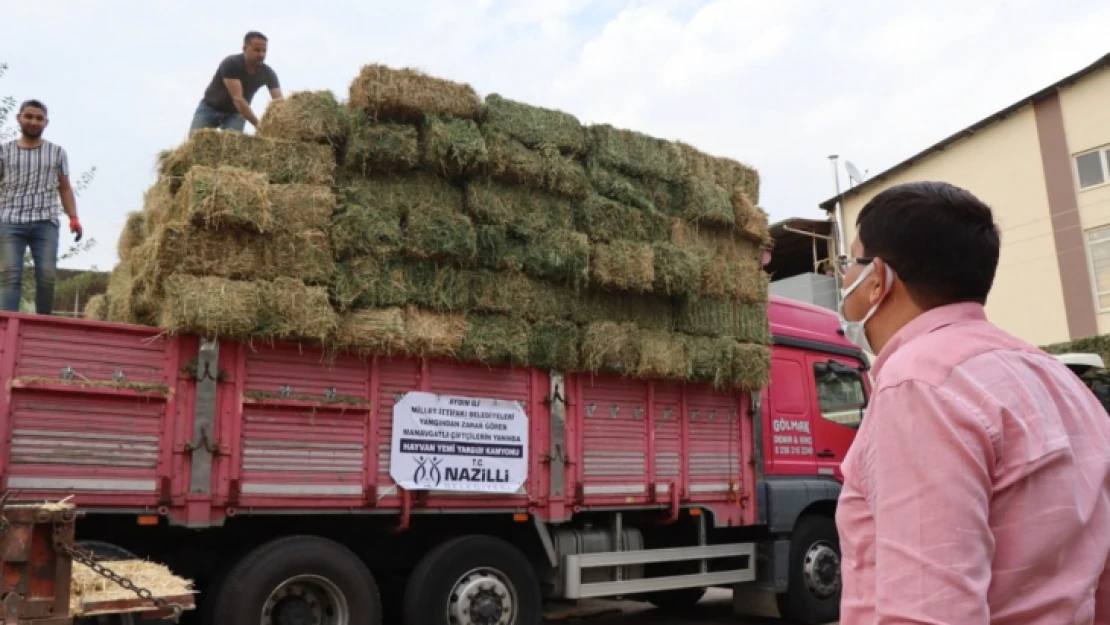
[260, 470]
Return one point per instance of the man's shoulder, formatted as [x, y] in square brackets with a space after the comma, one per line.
[54, 148]
[932, 357]
[233, 61]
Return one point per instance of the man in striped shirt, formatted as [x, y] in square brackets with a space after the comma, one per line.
[34, 174]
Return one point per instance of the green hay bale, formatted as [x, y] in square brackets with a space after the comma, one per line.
[544, 169]
[373, 148]
[606, 220]
[453, 147]
[635, 153]
[133, 234]
[647, 194]
[756, 230]
[416, 192]
[496, 340]
[623, 266]
[429, 334]
[409, 94]
[440, 234]
[290, 310]
[678, 271]
[722, 316]
[560, 256]
[554, 345]
[750, 367]
[526, 213]
[363, 283]
[373, 331]
[730, 266]
[498, 250]
[662, 356]
[609, 347]
[96, 308]
[710, 359]
[727, 173]
[708, 203]
[513, 293]
[648, 311]
[313, 116]
[282, 161]
[359, 231]
[441, 288]
[299, 207]
[225, 197]
[534, 126]
[211, 307]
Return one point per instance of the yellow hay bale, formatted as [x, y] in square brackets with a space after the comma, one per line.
[97, 307]
[134, 231]
[379, 331]
[299, 207]
[511, 292]
[623, 266]
[211, 307]
[610, 347]
[282, 161]
[408, 94]
[433, 334]
[662, 356]
[290, 310]
[121, 284]
[158, 204]
[223, 197]
[87, 586]
[314, 116]
[730, 266]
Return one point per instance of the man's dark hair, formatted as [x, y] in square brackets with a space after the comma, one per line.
[251, 36]
[940, 239]
[33, 104]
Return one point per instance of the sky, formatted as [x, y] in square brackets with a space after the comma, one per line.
[777, 84]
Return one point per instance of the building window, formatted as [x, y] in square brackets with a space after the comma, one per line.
[1093, 168]
[840, 394]
[1098, 246]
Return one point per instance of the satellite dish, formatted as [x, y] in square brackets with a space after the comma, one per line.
[853, 172]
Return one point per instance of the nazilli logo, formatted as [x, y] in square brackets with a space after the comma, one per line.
[427, 475]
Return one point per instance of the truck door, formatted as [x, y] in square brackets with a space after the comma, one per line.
[839, 401]
[787, 447]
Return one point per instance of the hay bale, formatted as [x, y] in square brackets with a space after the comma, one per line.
[678, 271]
[134, 231]
[635, 153]
[534, 126]
[210, 307]
[452, 147]
[298, 207]
[313, 116]
[610, 348]
[526, 213]
[440, 234]
[662, 356]
[380, 147]
[723, 316]
[282, 161]
[369, 283]
[408, 94]
[623, 266]
[498, 250]
[290, 310]
[158, 202]
[429, 334]
[730, 266]
[544, 169]
[647, 311]
[121, 284]
[725, 172]
[361, 231]
[606, 220]
[513, 293]
[750, 367]
[441, 288]
[373, 331]
[401, 195]
[647, 194]
[225, 197]
[710, 359]
[97, 307]
[708, 203]
[554, 345]
[561, 256]
[755, 229]
[495, 340]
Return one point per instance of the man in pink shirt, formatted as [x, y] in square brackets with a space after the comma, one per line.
[977, 488]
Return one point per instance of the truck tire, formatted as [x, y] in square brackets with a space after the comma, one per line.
[473, 580]
[813, 595]
[299, 579]
[675, 600]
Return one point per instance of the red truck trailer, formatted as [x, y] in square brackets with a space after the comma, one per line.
[296, 486]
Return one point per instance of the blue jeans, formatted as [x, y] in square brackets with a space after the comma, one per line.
[42, 238]
[208, 117]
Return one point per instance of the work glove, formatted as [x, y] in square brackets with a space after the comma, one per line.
[75, 227]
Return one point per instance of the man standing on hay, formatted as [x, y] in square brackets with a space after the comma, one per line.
[978, 487]
[34, 174]
[227, 100]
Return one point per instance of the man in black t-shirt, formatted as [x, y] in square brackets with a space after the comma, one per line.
[227, 100]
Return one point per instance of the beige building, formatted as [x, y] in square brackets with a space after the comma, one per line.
[1043, 165]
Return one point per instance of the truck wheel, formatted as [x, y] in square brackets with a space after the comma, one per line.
[674, 600]
[813, 597]
[299, 579]
[473, 580]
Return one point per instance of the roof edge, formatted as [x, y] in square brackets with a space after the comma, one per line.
[1041, 94]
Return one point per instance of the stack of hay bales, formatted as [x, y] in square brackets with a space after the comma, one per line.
[417, 219]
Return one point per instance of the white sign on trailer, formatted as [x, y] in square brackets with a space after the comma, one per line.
[443, 442]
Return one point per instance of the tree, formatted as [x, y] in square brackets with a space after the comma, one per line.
[8, 131]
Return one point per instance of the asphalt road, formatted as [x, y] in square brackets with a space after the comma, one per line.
[714, 609]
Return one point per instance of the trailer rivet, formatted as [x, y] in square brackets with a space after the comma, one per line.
[285, 390]
[590, 410]
[613, 410]
[330, 394]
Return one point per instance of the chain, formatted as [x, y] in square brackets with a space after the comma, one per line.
[86, 558]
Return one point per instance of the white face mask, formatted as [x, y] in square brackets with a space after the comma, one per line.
[855, 331]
